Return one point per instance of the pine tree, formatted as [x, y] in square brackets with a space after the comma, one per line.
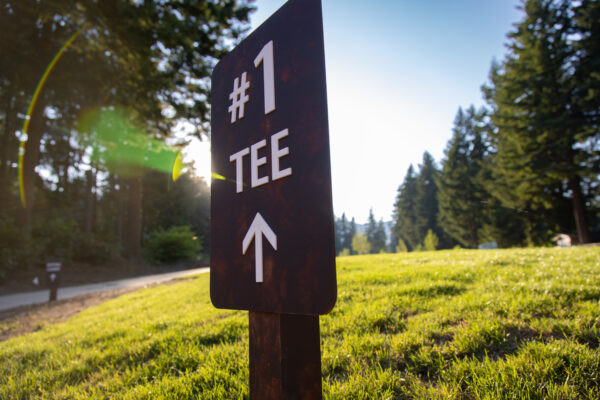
[586, 79]
[586, 95]
[379, 241]
[404, 217]
[345, 242]
[544, 138]
[426, 204]
[337, 231]
[460, 193]
[371, 232]
[350, 235]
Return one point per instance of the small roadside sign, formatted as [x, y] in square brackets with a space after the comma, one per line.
[272, 239]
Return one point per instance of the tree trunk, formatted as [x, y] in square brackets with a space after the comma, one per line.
[120, 211]
[30, 161]
[579, 211]
[90, 202]
[5, 147]
[473, 238]
[133, 228]
[527, 227]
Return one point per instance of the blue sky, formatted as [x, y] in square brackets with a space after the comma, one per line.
[397, 71]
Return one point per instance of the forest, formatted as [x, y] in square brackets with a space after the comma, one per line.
[524, 167]
[97, 100]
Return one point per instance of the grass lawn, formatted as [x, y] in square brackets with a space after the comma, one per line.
[518, 324]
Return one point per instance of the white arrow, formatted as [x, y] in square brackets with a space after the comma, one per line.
[257, 229]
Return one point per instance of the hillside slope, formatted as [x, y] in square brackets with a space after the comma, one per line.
[449, 324]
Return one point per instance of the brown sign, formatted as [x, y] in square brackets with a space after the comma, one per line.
[272, 243]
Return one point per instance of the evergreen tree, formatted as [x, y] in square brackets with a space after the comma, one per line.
[426, 204]
[350, 235]
[586, 95]
[345, 239]
[337, 230]
[541, 105]
[586, 79]
[379, 241]
[460, 192]
[404, 216]
[371, 231]
[344, 232]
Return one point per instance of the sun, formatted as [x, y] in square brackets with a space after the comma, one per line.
[197, 154]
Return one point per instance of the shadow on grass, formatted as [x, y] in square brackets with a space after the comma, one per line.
[435, 290]
[230, 332]
[428, 361]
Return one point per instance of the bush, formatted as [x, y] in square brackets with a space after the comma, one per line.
[360, 244]
[93, 249]
[401, 248]
[431, 241]
[15, 249]
[57, 238]
[175, 244]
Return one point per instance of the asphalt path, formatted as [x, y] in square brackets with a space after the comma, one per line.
[41, 296]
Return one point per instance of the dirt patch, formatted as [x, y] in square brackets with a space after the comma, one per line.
[26, 319]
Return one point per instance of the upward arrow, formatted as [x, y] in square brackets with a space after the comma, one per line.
[257, 229]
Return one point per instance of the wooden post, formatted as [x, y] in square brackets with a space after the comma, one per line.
[53, 277]
[285, 356]
[53, 290]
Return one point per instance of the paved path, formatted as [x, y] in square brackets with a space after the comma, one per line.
[24, 299]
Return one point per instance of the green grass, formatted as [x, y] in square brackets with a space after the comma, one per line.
[517, 324]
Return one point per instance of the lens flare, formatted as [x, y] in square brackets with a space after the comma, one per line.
[116, 140]
[124, 147]
[178, 167]
[34, 98]
[220, 177]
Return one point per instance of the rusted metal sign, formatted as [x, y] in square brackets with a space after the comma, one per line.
[272, 243]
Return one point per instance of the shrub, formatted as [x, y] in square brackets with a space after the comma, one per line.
[431, 241]
[175, 244]
[93, 249]
[360, 244]
[15, 249]
[401, 248]
[57, 238]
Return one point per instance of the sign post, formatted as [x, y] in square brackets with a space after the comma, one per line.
[285, 356]
[53, 278]
[272, 239]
